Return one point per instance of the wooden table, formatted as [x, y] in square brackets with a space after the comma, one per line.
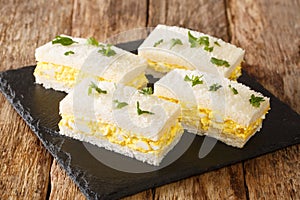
[268, 30]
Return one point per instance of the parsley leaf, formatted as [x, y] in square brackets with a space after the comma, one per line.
[195, 79]
[209, 49]
[203, 41]
[68, 53]
[219, 62]
[108, 51]
[95, 87]
[233, 90]
[120, 104]
[192, 40]
[175, 41]
[255, 101]
[65, 41]
[158, 43]
[140, 112]
[214, 87]
[92, 41]
[146, 91]
[217, 43]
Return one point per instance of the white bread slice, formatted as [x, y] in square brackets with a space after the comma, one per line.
[101, 108]
[184, 55]
[221, 105]
[123, 67]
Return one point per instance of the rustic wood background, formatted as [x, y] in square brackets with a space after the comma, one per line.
[269, 31]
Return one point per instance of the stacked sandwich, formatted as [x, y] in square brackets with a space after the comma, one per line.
[198, 89]
[65, 61]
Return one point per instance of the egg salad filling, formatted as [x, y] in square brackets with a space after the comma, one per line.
[117, 135]
[237, 72]
[69, 75]
[206, 121]
[165, 67]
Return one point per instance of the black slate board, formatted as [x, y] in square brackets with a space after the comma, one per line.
[39, 108]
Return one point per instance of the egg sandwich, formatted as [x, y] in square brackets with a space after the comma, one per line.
[65, 61]
[215, 106]
[121, 119]
[170, 47]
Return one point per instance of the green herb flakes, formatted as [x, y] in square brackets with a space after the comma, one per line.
[68, 53]
[255, 101]
[140, 112]
[195, 79]
[214, 87]
[219, 62]
[175, 41]
[95, 87]
[158, 42]
[146, 91]
[92, 41]
[119, 104]
[233, 90]
[107, 51]
[65, 41]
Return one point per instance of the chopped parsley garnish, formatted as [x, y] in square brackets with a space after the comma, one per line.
[107, 51]
[140, 112]
[68, 53]
[255, 101]
[95, 87]
[92, 41]
[217, 43]
[209, 49]
[175, 41]
[214, 87]
[65, 41]
[201, 41]
[158, 43]
[233, 90]
[119, 104]
[219, 62]
[192, 40]
[146, 91]
[195, 79]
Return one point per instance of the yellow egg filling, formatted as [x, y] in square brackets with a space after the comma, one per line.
[165, 67]
[69, 75]
[206, 121]
[114, 134]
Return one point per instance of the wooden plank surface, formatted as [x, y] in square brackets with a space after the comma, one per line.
[270, 33]
[257, 26]
[25, 163]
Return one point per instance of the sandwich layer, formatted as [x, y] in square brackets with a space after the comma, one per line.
[216, 106]
[64, 78]
[170, 47]
[60, 66]
[96, 118]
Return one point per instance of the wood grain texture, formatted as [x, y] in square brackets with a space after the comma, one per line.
[274, 176]
[270, 33]
[210, 185]
[201, 15]
[62, 187]
[25, 163]
[107, 20]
